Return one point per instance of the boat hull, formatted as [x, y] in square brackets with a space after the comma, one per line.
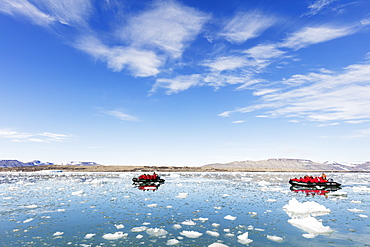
[137, 180]
[303, 184]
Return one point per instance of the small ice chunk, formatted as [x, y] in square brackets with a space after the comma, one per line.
[361, 189]
[78, 193]
[218, 245]
[212, 233]
[120, 226]
[31, 206]
[126, 197]
[146, 223]
[139, 236]
[182, 195]
[89, 235]
[58, 233]
[139, 229]
[177, 226]
[259, 229]
[271, 200]
[215, 225]
[28, 220]
[230, 234]
[355, 210]
[156, 232]
[189, 223]
[114, 236]
[203, 219]
[263, 183]
[357, 202]
[152, 205]
[191, 234]
[275, 238]
[12, 188]
[172, 241]
[229, 217]
[218, 208]
[243, 239]
[61, 210]
[169, 206]
[363, 216]
[225, 195]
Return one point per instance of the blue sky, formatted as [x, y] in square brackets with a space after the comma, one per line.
[184, 83]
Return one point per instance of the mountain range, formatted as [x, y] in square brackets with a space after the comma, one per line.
[261, 165]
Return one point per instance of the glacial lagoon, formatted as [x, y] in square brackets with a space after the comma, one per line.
[189, 209]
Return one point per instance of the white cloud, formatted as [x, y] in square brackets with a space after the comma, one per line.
[320, 97]
[29, 137]
[141, 63]
[27, 10]
[226, 63]
[177, 84]
[120, 115]
[318, 6]
[246, 25]
[169, 26]
[313, 35]
[48, 12]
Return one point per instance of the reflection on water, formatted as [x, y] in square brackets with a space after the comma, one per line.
[190, 209]
[147, 186]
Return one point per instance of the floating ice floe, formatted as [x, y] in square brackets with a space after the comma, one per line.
[139, 236]
[182, 195]
[212, 233]
[357, 202]
[275, 238]
[89, 235]
[271, 200]
[114, 236]
[361, 189]
[12, 188]
[156, 232]
[120, 226]
[189, 223]
[177, 226]
[229, 217]
[355, 210]
[243, 239]
[218, 245]
[363, 216]
[139, 229]
[172, 241]
[152, 205]
[312, 226]
[215, 225]
[297, 209]
[191, 234]
[31, 206]
[28, 220]
[58, 233]
[78, 193]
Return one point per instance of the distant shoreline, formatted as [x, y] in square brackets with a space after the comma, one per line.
[149, 169]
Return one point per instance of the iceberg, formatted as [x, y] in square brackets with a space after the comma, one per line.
[296, 209]
[311, 225]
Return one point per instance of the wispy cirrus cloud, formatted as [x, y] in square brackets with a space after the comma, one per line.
[120, 114]
[45, 137]
[314, 35]
[48, 12]
[321, 96]
[317, 6]
[246, 25]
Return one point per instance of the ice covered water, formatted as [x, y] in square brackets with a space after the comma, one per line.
[189, 209]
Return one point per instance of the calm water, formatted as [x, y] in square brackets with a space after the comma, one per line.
[189, 209]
